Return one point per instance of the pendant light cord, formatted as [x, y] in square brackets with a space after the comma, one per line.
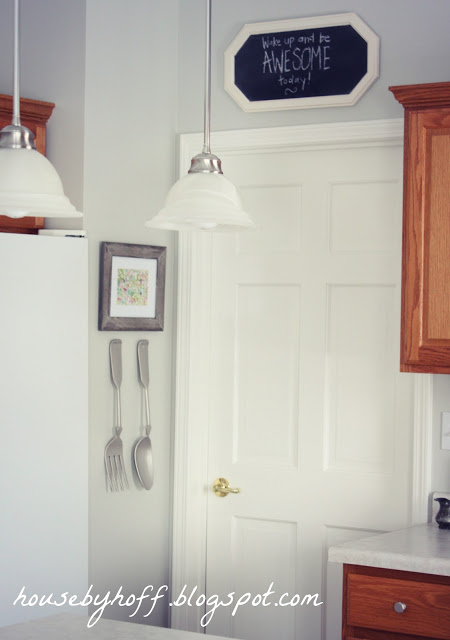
[207, 162]
[16, 93]
[207, 106]
[14, 135]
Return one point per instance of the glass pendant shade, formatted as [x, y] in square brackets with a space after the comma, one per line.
[207, 201]
[30, 185]
[203, 199]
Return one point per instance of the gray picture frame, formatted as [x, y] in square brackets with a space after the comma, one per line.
[133, 317]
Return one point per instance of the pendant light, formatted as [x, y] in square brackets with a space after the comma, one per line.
[204, 198]
[29, 184]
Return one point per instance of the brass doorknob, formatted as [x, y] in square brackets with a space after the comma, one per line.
[221, 488]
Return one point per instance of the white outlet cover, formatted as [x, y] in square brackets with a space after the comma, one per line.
[438, 494]
[445, 430]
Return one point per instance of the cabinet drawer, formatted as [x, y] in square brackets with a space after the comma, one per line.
[371, 600]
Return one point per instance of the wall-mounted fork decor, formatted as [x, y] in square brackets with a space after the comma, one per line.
[115, 469]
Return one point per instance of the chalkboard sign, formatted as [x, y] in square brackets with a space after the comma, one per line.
[309, 62]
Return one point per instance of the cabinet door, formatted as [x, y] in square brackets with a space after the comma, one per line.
[426, 259]
[425, 341]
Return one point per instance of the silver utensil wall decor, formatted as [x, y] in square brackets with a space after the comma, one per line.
[115, 469]
[143, 459]
[142, 453]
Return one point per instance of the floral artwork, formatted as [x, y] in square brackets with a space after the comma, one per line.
[132, 279]
[132, 287]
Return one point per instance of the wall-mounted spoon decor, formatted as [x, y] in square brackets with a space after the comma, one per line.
[143, 450]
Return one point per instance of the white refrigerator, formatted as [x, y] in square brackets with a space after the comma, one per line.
[43, 422]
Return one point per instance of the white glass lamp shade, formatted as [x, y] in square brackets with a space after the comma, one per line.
[30, 186]
[207, 201]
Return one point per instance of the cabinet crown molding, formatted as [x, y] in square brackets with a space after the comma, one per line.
[30, 110]
[420, 96]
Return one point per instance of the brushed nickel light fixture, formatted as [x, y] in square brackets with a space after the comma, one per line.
[203, 199]
[29, 184]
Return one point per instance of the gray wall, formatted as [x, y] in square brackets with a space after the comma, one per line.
[129, 160]
[414, 48]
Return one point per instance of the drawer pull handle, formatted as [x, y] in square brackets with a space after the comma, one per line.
[400, 607]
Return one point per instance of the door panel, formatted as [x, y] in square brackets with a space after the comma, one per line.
[266, 385]
[309, 415]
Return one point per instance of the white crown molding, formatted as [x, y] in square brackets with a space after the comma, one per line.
[272, 140]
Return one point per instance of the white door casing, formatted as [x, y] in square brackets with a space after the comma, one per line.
[194, 387]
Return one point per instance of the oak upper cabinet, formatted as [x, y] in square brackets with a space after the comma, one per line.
[425, 325]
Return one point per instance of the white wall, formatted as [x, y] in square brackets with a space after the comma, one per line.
[129, 161]
[414, 48]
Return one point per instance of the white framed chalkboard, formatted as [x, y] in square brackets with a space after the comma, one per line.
[324, 61]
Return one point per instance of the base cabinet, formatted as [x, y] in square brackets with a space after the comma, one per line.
[384, 604]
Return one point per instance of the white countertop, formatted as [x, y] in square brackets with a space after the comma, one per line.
[424, 548]
[71, 627]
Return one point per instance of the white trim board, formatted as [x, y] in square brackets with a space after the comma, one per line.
[190, 483]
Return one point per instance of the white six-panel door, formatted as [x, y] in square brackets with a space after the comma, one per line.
[307, 412]
[309, 415]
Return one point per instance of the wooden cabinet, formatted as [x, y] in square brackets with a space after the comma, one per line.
[425, 325]
[34, 115]
[371, 596]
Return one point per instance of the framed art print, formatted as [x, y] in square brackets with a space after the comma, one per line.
[132, 282]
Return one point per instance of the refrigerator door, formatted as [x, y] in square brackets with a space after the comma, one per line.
[43, 421]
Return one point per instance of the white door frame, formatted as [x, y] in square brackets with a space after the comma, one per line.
[190, 482]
